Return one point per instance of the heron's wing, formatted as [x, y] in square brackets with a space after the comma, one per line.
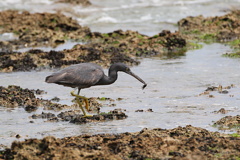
[86, 75]
[81, 75]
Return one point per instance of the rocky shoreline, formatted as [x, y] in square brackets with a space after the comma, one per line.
[179, 143]
[48, 29]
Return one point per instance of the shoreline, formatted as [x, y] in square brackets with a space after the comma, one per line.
[106, 48]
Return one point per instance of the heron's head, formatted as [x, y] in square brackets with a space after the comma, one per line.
[120, 67]
[124, 68]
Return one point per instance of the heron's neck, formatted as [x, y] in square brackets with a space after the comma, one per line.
[111, 78]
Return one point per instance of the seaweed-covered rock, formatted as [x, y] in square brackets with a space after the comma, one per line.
[104, 53]
[37, 59]
[39, 29]
[47, 29]
[68, 115]
[220, 28]
[15, 96]
[112, 115]
[228, 123]
[43, 115]
[179, 143]
[16, 61]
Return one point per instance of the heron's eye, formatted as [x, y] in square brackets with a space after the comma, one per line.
[127, 69]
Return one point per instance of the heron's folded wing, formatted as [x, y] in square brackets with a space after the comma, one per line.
[85, 76]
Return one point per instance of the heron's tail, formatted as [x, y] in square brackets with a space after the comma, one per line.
[56, 78]
[49, 79]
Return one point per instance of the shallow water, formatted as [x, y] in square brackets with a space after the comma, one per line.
[172, 93]
[173, 84]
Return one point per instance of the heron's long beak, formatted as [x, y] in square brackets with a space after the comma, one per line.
[138, 78]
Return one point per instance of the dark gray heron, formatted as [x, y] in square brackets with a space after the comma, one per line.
[85, 75]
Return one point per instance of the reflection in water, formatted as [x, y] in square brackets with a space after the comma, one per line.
[172, 93]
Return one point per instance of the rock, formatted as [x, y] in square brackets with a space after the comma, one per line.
[178, 143]
[228, 123]
[112, 115]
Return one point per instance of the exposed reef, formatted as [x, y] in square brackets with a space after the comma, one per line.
[178, 143]
[51, 29]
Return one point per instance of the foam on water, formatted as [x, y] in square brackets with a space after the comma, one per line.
[104, 18]
[157, 15]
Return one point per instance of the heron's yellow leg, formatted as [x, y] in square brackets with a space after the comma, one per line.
[81, 97]
[80, 104]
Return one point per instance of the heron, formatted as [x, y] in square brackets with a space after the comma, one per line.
[85, 75]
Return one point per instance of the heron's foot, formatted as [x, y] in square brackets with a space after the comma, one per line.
[73, 94]
[87, 115]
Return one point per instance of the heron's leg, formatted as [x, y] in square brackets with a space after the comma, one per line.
[80, 104]
[79, 89]
[81, 97]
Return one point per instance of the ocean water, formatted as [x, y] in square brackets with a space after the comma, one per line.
[145, 16]
[173, 90]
